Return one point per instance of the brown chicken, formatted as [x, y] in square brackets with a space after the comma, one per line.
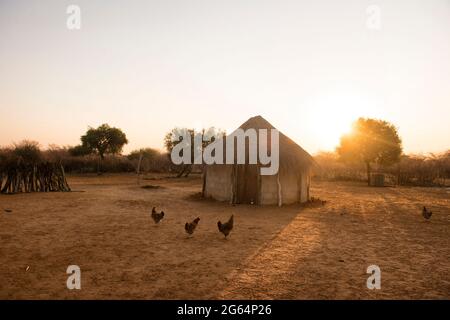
[157, 217]
[190, 226]
[426, 214]
[226, 228]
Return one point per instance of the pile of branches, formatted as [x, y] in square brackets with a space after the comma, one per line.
[37, 177]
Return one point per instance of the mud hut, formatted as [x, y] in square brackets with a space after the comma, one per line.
[243, 183]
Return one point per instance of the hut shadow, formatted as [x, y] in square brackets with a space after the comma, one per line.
[221, 260]
[314, 255]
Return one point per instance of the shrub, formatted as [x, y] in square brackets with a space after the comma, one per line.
[27, 151]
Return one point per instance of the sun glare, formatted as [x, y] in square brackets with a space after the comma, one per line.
[332, 115]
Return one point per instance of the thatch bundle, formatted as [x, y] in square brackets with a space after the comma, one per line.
[38, 177]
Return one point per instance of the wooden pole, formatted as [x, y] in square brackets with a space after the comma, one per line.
[308, 184]
[280, 200]
[259, 187]
[205, 169]
[233, 184]
[138, 171]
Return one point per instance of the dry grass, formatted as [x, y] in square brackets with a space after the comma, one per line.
[290, 252]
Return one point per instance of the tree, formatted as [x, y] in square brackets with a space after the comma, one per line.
[371, 141]
[103, 140]
[172, 138]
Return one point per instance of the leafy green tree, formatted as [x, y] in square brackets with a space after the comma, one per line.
[371, 141]
[103, 140]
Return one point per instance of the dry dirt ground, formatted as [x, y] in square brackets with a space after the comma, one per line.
[292, 252]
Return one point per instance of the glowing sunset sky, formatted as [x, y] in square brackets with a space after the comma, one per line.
[310, 68]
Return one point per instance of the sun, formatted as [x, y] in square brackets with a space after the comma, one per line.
[331, 115]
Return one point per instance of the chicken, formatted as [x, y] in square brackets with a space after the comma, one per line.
[190, 226]
[157, 217]
[226, 228]
[315, 201]
[426, 214]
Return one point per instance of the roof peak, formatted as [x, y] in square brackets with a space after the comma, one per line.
[257, 122]
[288, 148]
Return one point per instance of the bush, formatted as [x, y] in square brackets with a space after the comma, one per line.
[27, 152]
[422, 170]
[88, 164]
[6, 157]
[330, 168]
[77, 162]
[79, 151]
[152, 160]
[413, 170]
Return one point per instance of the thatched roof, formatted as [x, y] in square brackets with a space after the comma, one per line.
[292, 156]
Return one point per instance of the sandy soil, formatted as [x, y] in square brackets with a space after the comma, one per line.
[291, 252]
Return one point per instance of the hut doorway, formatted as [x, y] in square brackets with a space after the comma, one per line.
[247, 183]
